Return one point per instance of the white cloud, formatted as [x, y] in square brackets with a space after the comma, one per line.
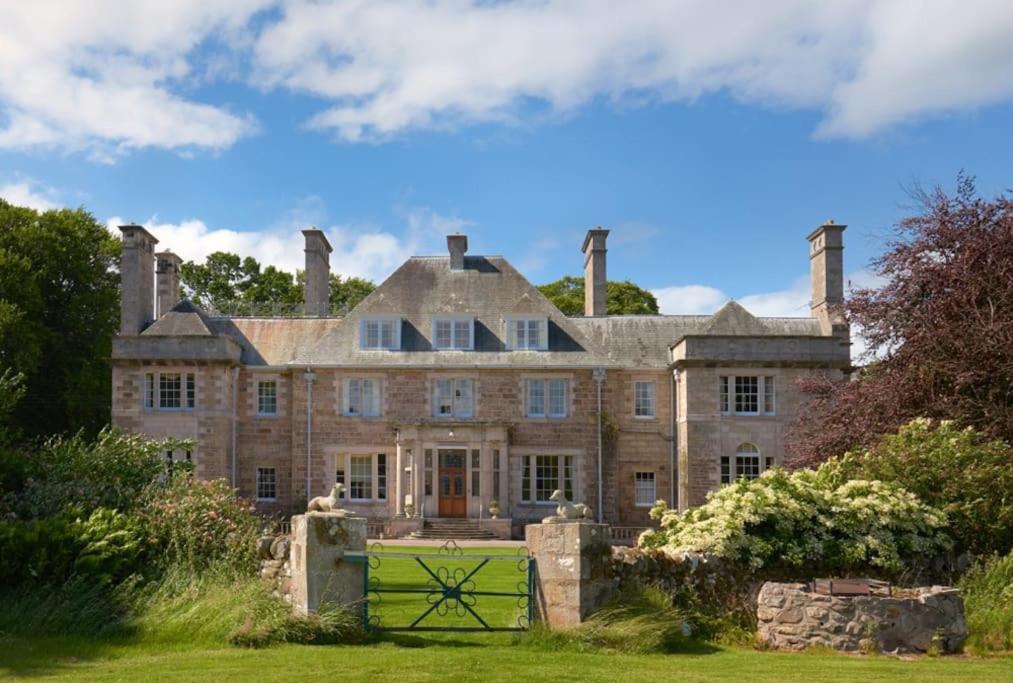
[107, 76]
[391, 67]
[359, 250]
[27, 193]
[689, 299]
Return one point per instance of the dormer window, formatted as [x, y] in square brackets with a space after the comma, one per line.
[380, 334]
[454, 333]
[529, 334]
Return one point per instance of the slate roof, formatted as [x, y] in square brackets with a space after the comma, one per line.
[424, 288]
[488, 288]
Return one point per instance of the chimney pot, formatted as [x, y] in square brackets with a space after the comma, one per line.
[457, 245]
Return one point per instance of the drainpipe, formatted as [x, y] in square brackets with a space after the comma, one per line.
[674, 435]
[235, 399]
[598, 374]
[309, 425]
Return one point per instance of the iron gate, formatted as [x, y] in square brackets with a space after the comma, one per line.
[449, 590]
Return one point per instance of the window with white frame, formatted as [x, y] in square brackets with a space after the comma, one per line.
[366, 476]
[361, 397]
[454, 333]
[267, 483]
[453, 397]
[267, 397]
[361, 477]
[170, 391]
[546, 397]
[380, 334]
[644, 489]
[644, 399]
[529, 334]
[179, 455]
[543, 474]
[746, 395]
[746, 463]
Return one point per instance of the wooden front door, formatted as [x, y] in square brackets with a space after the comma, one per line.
[453, 502]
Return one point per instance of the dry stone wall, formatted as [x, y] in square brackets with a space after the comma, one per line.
[792, 617]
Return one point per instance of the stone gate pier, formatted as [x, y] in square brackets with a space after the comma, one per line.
[571, 570]
[320, 572]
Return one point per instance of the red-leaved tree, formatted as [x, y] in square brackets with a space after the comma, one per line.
[939, 331]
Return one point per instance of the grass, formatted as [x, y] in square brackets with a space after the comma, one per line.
[180, 631]
[988, 602]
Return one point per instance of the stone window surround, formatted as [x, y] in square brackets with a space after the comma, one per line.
[519, 453]
[281, 394]
[345, 453]
[764, 462]
[453, 320]
[510, 336]
[341, 386]
[568, 396]
[476, 386]
[155, 373]
[638, 379]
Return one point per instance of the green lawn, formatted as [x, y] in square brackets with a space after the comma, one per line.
[461, 656]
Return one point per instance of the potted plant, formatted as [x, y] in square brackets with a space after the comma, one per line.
[494, 509]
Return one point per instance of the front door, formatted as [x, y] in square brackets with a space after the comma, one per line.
[453, 502]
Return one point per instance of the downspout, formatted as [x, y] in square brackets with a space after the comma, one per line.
[309, 425]
[674, 436]
[235, 400]
[599, 377]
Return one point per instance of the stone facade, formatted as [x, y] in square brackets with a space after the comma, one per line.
[270, 396]
[571, 570]
[792, 617]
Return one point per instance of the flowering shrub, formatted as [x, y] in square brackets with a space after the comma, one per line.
[199, 523]
[958, 470]
[805, 519]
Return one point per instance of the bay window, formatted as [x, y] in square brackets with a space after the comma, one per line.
[170, 391]
[746, 395]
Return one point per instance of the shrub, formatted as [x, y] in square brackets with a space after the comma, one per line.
[988, 603]
[805, 520]
[76, 474]
[199, 523]
[958, 470]
[104, 548]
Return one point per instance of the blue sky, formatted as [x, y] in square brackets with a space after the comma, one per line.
[709, 146]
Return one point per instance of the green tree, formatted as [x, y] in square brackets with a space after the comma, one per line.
[225, 279]
[624, 297]
[59, 308]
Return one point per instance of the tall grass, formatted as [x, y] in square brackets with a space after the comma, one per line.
[180, 610]
[988, 604]
[636, 622]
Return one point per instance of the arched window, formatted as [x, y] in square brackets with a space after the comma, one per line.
[746, 464]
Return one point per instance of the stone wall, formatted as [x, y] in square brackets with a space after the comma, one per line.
[273, 552]
[917, 620]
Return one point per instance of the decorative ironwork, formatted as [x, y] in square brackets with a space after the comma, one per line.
[445, 591]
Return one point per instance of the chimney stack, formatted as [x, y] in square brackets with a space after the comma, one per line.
[137, 279]
[826, 265]
[457, 245]
[595, 280]
[317, 288]
[166, 281]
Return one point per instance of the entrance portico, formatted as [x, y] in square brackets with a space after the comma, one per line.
[452, 469]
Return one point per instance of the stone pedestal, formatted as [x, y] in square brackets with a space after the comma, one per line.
[571, 562]
[320, 572]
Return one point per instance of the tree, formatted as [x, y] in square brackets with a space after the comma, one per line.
[59, 308]
[225, 282]
[940, 330]
[624, 297]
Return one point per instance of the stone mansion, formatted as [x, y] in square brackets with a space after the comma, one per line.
[456, 383]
